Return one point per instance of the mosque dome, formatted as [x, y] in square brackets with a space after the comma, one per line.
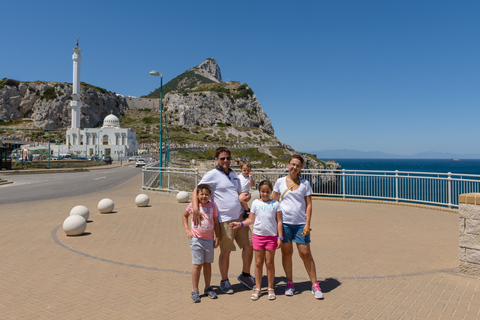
[111, 121]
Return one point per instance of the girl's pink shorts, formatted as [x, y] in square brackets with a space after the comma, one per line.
[264, 242]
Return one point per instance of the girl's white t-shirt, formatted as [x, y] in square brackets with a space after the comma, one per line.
[265, 217]
[293, 206]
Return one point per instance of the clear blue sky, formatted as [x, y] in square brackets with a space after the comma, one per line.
[393, 76]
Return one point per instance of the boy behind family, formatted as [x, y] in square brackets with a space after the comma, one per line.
[246, 181]
[202, 240]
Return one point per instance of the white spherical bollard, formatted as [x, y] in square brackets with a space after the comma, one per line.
[74, 225]
[255, 196]
[142, 200]
[182, 197]
[105, 205]
[81, 211]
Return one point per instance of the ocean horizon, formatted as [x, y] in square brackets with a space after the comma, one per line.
[467, 166]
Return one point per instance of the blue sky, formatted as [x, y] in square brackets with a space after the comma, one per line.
[393, 76]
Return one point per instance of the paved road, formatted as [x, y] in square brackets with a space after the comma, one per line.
[34, 187]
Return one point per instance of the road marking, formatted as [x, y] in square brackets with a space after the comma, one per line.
[100, 178]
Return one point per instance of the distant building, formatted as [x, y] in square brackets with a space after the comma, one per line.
[109, 139]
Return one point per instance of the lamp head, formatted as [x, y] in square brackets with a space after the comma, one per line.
[155, 73]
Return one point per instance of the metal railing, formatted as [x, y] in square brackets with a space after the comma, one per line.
[441, 189]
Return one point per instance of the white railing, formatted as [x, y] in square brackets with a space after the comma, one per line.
[441, 189]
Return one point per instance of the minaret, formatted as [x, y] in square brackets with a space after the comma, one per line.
[76, 104]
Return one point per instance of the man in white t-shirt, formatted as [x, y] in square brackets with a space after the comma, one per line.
[225, 186]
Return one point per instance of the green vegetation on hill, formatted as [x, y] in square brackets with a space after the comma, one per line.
[83, 84]
[8, 82]
[146, 125]
[185, 81]
[49, 93]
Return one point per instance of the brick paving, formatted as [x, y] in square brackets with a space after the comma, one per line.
[377, 261]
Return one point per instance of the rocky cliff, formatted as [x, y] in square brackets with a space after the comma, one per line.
[206, 72]
[45, 101]
[199, 97]
[234, 105]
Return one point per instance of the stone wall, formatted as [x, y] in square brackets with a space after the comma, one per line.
[469, 233]
[142, 103]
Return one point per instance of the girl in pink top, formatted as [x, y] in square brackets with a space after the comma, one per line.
[202, 241]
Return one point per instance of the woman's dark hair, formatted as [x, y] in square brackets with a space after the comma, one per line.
[298, 157]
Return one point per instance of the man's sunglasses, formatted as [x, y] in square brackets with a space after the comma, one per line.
[226, 158]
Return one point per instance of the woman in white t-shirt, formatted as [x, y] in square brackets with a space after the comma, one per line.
[295, 197]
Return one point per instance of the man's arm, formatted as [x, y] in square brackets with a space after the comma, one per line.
[196, 217]
[275, 196]
[185, 225]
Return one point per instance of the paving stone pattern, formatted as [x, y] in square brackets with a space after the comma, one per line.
[377, 261]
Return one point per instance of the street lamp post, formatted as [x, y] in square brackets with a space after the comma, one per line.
[86, 144]
[160, 154]
[49, 142]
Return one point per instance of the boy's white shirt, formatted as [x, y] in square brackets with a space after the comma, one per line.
[244, 183]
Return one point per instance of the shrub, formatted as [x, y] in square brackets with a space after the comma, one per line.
[147, 120]
[93, 87]
[9, 82]
[49, 94]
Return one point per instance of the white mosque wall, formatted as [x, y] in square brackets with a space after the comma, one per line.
[115, 142]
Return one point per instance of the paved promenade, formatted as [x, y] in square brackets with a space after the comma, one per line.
[377, 261]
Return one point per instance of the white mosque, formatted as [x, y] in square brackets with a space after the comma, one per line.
[110, 139]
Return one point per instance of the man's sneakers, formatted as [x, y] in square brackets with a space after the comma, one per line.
[247, 281]
[317, 291]
[290, 291]
[226, 287]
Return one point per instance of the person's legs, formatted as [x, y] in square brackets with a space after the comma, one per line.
[207, 274]
[227, 234]
[287, 253]
[259, 260]
[224, 263]
[270, 264]
[196, 270]
[244, 241]
[247, 257]
[306, 255]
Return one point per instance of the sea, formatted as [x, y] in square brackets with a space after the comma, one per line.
[454, 166]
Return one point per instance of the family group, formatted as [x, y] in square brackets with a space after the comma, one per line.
[220, 217]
